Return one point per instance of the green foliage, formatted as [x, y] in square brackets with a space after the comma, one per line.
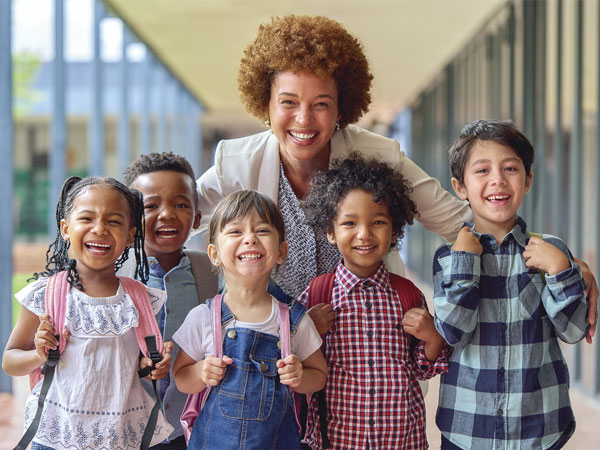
[25, 67]
[19, 281]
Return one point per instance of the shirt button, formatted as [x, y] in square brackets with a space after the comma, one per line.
[371, 362]
[167, 279]
[167, 406]
[369, 334]
[368, 305]
[500, 412]
[371, 422]
[168, 311]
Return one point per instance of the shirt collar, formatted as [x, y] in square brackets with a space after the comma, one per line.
[519, 233]
[349, 280]
[156, 269]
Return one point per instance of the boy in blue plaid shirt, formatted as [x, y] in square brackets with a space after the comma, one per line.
[503, 297]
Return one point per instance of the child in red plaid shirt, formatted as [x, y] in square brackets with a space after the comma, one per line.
[375, 350]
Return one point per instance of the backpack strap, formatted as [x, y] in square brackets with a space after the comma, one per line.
[538, 235]
[215, 315]
[409, 294]
[147, 325]
[207, 282]
[150, 343]
[55, 302]
[319, 289]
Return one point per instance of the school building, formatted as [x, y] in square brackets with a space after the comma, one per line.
[170, 84]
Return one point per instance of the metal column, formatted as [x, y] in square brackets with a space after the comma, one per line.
[576, 160]
[96, 135]
[124, 130]
[145, 113]
[58, 157]
[557, 148]
[6, 180]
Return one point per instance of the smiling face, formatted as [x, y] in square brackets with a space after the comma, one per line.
[247, 249]
[303, 111]
[494, 183]
[170, 212]
[362, 231]
[98, 228]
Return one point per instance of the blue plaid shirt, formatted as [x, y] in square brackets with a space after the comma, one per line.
[507, 387]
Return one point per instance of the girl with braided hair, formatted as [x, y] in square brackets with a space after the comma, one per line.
[96, 399]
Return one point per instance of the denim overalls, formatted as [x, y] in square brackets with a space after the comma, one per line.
[249, 408]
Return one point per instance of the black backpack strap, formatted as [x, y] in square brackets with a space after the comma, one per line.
[48, 370]
[154, 355]
[322, 403]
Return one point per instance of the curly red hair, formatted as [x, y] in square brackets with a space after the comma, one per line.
[314, 44]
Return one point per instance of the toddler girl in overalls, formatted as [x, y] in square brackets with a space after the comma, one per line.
[251, 404]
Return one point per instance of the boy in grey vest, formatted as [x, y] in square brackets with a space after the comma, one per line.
[168, 184]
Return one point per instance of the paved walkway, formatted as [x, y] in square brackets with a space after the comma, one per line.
[585, 438]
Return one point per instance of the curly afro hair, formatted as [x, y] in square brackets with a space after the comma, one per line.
[157, 162]
[387, 185]
[314, 44]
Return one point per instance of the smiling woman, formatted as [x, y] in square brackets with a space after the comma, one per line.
[309, 80]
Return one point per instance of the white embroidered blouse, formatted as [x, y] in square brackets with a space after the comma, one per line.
[96, 399]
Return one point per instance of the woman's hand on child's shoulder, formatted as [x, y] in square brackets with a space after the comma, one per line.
[323, 316]
[542, 255]
[467, 242]
[290, 371]
[212, 369]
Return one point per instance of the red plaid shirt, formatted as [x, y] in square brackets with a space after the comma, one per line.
[373, 397]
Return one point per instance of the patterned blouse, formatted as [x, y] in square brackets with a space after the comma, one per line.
[309, 255]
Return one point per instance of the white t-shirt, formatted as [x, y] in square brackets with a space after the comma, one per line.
[195, 335]
[96, 399]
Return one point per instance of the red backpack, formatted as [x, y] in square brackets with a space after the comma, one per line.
[320, 290]
[147, 334]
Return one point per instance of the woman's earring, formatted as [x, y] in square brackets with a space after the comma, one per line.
[217, 262]
[337, 125]
[268, 123]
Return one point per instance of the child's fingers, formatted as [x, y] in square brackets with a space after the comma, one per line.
[66, 334]
[227, 360]
[167, 346]
[291, 359]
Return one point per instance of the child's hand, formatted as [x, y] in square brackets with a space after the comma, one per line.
[542, 255]
[290, 371]
[212, 369]
[418, 322]
[467, 242]
[323, 316]
[163, 366]
[44, 337]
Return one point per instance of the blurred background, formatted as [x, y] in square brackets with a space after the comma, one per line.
[86, 86]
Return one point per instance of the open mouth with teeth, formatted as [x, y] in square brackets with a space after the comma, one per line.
[250, 257]
[364, 248]
[97, 248]
[497, 198]
[167, 233]
[305, 136]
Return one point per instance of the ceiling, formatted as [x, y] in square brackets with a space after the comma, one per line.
[406, 41]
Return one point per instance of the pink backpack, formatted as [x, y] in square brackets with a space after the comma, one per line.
[195, 402]
[147, 334]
